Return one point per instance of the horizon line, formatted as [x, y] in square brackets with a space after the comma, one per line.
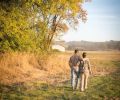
[88, 41]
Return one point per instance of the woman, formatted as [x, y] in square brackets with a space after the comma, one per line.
[85, 71]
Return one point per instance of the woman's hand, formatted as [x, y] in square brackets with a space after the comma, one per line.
[78, 63]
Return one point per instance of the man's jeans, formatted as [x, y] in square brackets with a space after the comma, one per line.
[75, 79]
[71, 76]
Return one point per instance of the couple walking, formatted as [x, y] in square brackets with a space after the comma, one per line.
[80, 70]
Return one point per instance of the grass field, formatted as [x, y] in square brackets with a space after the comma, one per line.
[104, 84]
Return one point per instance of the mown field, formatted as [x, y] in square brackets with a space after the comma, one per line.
[54, 83]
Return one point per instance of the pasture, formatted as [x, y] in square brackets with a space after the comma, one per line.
[51, 81]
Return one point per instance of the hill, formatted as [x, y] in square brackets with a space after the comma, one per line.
[93, 46]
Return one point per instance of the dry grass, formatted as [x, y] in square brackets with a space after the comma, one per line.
[33, 73]
[22, 67]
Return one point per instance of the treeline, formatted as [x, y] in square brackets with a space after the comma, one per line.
[32, 25]
[86, 45]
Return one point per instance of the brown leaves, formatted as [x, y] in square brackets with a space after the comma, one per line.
[62, 27]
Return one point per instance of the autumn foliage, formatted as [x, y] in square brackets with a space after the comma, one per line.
[32, 25]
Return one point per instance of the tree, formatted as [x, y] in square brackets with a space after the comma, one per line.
[34, 24]
[57, 15]
[15, 31]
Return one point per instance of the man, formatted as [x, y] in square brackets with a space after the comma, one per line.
[74, 64]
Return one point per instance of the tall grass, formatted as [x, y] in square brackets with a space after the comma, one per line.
[50, 68]
[25, 76]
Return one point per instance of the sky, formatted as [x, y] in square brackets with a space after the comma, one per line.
[103, 22]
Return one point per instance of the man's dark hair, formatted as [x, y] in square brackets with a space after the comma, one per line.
[76, 51]
[84, 54]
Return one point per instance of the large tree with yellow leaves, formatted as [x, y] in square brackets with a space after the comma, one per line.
[34, 24]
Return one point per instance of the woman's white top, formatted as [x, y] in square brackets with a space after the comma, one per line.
[86, 64]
